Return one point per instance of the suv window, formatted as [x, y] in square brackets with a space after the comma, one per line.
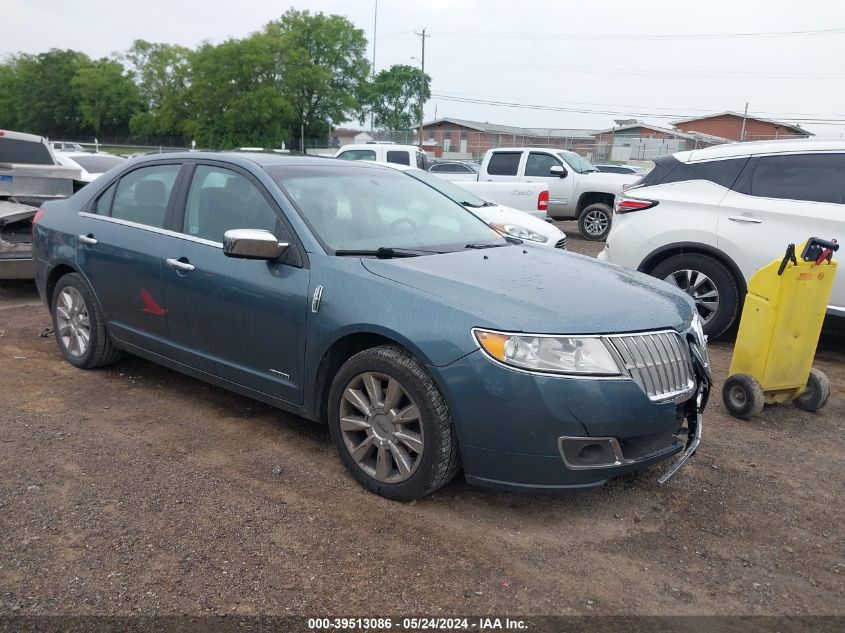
[221, 199]
[504, 163]
[142, 195]
[668, 169]
[539, 164]
[811, 177]
[399, 157]
[358, 154]
[15, 150]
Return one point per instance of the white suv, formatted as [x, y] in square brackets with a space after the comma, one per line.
[708, 219]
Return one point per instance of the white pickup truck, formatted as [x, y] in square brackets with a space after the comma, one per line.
[577, 189]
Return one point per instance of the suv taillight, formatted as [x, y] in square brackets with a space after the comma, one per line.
[628, 205]
[543, 201]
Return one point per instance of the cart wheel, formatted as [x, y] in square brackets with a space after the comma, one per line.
[817, 392]
[743, 396]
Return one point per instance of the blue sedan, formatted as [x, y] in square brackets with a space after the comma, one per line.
[352, 295]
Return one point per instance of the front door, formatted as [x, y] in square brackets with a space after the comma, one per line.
[537, 169]
[240, 320]
[119, 250]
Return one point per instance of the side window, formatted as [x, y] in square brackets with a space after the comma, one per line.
[221, 199]
[358, 154]
[103, 204]
[811, 177]
[422, 161]
[539, 164]
[438, 167]
[142, 195]
[504, 163]
[398, 157]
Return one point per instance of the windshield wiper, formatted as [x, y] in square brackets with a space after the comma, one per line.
[480, 245]
[384, 252]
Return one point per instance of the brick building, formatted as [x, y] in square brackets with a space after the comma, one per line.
[729, 125]
[635, 140]
[460, 138]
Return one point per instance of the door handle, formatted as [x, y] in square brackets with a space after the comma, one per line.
[745, 218]
[87, 239]
[178, 264]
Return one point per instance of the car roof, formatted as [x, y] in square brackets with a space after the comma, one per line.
[737, 150]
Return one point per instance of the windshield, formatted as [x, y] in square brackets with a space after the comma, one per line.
[578, 163]
[354, 208]
[450, 190]
[97, 164]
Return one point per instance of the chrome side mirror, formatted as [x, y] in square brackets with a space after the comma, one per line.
[253, 244]
[557, 170]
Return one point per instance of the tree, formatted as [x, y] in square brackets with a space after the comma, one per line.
[393, 97]
[321, 64]
[43, 99]
[107, 96]
[236, 95]
[163, 73]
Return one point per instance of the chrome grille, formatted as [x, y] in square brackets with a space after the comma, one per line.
[659, 362]
[561, 243]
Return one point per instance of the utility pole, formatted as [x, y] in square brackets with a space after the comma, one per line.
[375, 29]
[422, 83]
[744, 116]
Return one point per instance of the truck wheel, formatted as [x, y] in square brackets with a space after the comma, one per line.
[710, 284]
[78, 325]
[594, 221]
[391, 425]
[817, 392]
[743, 396]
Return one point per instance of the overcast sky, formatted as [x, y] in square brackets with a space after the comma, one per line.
[612, 59]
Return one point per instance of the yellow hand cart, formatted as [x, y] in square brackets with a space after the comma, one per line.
[779, 331]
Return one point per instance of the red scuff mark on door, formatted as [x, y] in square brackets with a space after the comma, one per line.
[150, 304]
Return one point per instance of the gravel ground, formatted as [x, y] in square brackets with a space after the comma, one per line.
[136, 490]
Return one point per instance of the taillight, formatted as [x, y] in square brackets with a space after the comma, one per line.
[543, 201]
[627, 205]
[36, 218]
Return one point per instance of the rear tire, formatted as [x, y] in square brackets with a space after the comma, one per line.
[391, 426]
[78, 325]
[817, 392]
[743, 396]
[710, 284]
[594, 221]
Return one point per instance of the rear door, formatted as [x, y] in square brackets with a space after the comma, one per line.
[119, 251]
[240, 320]
[783, 199]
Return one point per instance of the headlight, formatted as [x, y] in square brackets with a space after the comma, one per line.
[516, 230]
[551, 354]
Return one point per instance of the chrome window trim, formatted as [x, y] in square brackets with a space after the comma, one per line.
[152, 229]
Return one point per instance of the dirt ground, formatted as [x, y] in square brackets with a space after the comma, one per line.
[136, 490]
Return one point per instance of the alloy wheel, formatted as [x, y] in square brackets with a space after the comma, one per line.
[381, 427]
[72, 321]
[596, 223]
[701, 288]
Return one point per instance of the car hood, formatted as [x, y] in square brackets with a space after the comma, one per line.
[534, 290]
[508, 215]
[610, 183]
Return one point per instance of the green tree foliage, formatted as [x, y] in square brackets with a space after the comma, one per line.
[393, 97]
[107, 96]
[236, 95]
[321, 64]
[163, 73]
[39, 93]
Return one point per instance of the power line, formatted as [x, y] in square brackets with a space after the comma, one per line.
[627, 38]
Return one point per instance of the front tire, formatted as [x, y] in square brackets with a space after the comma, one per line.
[78, 325]
[594, 221]
[391, 425]
[710, 284]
